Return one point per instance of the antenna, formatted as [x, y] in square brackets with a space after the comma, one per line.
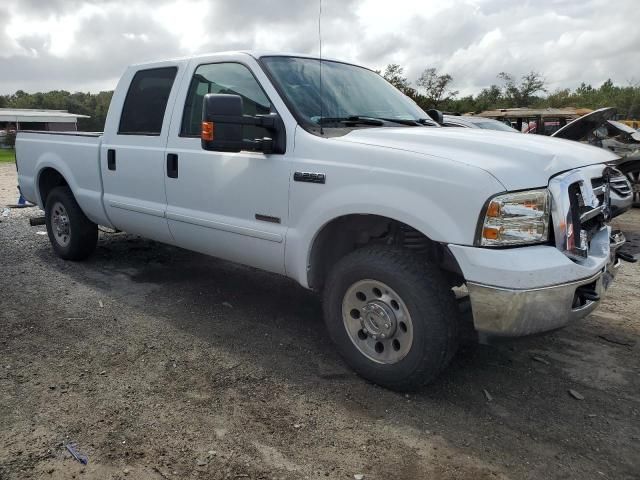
[320, 55]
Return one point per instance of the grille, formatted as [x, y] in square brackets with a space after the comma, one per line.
[580, 208]
[599, 188]
[621, 186]
[590, 216]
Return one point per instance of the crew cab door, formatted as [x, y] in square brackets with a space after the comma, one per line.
[229, 205]
[132, 153]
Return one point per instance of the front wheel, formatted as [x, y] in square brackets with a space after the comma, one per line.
[72, 235]
[392, 316]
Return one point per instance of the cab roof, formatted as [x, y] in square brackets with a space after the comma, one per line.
[257, 54]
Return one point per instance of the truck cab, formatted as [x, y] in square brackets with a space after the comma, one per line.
[321, 171]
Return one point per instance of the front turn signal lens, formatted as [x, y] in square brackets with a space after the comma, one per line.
[493, 210]
[491, 233]
[208, 131]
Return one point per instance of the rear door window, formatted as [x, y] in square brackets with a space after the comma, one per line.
[146, 102]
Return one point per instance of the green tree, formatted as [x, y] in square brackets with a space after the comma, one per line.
[394, 74]
[562, 97]
[522, 94]
[436, 89]
[488, 98]
[584, 89]
[91, 104]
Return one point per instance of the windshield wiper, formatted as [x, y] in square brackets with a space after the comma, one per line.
[402, 121]
[354, 119]
[377, 121]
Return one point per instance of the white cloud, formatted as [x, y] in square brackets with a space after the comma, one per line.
[57, 32]
[182, 17]
[86, 44]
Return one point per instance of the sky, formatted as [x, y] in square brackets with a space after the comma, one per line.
[85, 45]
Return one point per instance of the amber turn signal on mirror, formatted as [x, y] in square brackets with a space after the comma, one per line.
[208, 131]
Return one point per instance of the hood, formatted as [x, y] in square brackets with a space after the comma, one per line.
[620, 128]
[517, 161]
[581, 127]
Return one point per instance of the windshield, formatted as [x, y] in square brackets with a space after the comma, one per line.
[348, 91]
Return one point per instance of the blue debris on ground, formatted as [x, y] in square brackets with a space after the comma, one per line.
[73, 450]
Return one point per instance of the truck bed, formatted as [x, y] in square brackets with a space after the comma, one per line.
[76, 155]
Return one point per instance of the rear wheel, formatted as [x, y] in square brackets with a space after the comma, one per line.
[392, 316]
[632, 172]
[72, 235]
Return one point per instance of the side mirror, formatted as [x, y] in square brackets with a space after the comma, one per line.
[223, 122]
[436, 115]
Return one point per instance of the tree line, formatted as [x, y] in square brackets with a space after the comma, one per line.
[436, 90]
[431, 89]
[93, 104]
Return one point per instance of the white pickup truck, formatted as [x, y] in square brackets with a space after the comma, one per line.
[325, 173]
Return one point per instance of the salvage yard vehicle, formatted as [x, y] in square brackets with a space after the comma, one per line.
[346, 186]
[539, 121]
[470, 121]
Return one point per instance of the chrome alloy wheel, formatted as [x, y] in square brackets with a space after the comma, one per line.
[377, 321]
[60, 224]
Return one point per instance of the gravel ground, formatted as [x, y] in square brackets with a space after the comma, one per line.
[165, 364]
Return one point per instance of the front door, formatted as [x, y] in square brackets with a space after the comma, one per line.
[229, 205]
[132, 156]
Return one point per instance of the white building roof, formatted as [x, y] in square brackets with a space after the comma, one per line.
[32, 115]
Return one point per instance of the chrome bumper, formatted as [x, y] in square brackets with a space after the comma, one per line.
[513, 312]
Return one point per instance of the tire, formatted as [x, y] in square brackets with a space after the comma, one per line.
[632, 172]
[425, 344]
[72, 235]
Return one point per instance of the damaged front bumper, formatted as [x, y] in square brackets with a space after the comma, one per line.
[513, 313]
[518, 301]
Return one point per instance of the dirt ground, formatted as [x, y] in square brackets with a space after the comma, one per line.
[165, 364]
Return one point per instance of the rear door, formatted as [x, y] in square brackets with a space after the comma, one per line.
[132, 152]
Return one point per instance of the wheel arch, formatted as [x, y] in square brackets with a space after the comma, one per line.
[49, 178]
[348, 232]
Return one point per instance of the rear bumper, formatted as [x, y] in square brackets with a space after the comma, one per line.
[517, 292]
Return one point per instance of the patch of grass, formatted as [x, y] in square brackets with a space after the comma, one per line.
[7, 155]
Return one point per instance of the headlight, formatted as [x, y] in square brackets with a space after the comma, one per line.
[516, 219]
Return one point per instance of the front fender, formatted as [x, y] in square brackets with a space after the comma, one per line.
[439, 197]
[432, 219]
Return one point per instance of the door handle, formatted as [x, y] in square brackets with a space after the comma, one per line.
[111, 159]
[172, 165]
